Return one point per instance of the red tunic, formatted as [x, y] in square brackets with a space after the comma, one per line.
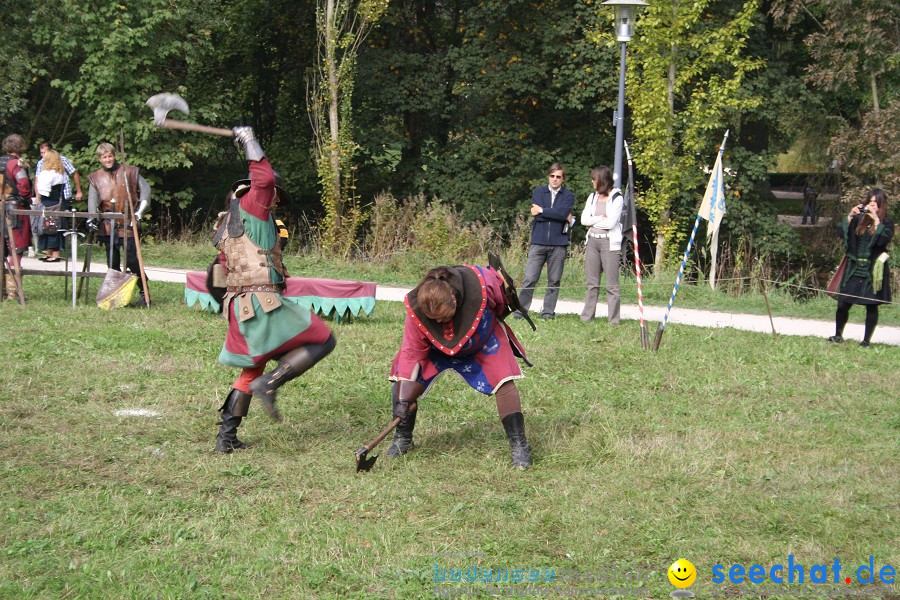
[486, 359]
[22, 230]
[265, 336]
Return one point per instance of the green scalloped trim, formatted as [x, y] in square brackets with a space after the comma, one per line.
[338, 308]
[207, 302]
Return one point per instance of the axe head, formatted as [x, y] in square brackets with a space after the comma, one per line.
[362, 462]
[163, 103]
[512, 296]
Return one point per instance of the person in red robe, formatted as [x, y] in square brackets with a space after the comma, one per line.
[261, 326]
[454, 322]
[16, 190]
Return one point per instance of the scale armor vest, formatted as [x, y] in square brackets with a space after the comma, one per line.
[247, 264]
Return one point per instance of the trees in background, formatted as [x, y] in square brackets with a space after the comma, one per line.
[690, 80]
[853, 55]
[341, 27]
[465, 101]
[94, 67]
[471, 102]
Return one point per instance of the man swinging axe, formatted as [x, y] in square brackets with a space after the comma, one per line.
[261, 326]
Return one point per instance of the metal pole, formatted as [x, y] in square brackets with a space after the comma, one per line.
[112, 237]
[73, 233]
[620, 124]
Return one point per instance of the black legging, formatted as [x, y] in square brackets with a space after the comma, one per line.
[843, 314]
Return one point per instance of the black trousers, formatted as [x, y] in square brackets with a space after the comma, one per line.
[116, 262]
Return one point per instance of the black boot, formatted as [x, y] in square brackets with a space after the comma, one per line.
[234, 409]
[403, 434]
[290, 366]
[514, 424]
[403, 437]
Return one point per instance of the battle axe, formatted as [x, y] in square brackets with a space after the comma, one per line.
[363, 462]
[512, 296]
[163, 103]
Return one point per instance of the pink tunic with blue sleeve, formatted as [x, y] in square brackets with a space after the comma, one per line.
[477, 344]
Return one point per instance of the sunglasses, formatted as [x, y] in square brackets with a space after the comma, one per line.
[556, 177]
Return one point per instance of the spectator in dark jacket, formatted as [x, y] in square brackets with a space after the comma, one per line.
[809, 205]
[551, 207]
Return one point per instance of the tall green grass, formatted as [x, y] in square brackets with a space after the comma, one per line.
[724, 447]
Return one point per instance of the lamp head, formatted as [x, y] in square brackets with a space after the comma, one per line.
[626, 12]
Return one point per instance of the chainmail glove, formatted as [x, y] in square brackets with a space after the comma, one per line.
[245, 138]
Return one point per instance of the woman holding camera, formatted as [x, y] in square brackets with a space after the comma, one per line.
[867, 231]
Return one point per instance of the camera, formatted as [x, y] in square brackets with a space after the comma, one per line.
[863, 210]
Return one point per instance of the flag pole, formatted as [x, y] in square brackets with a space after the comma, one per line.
[645, 338]
[687, 252]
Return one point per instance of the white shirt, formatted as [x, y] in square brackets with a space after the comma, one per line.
[611, 221]
[69, 168]
[46, 179]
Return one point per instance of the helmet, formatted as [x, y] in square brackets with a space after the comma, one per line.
[241, 186]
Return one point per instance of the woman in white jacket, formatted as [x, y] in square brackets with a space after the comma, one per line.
[601, 215]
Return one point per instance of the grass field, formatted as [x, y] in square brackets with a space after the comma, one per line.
[725, 447]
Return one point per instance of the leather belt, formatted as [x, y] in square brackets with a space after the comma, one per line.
[262, 287]
[598, 236]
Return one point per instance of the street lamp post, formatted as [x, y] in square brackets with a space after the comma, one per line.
[626, 11]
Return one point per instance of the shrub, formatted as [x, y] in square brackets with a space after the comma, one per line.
[432, 229]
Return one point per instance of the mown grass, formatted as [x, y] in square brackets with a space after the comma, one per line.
[725, 447]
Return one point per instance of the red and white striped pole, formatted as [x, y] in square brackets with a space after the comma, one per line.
[629, 195]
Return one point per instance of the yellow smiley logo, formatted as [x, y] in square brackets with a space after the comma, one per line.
[682, 573]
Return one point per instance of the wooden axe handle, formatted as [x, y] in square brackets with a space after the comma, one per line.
[371, 445]
[172, 124]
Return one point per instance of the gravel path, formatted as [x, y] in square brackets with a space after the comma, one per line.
[654, 314]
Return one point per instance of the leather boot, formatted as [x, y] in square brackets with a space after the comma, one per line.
[403, 433]
[514, 424]
[234, 409]
[290, 366]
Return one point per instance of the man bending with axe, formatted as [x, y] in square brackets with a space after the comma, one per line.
[454, 322]
[261, 326]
